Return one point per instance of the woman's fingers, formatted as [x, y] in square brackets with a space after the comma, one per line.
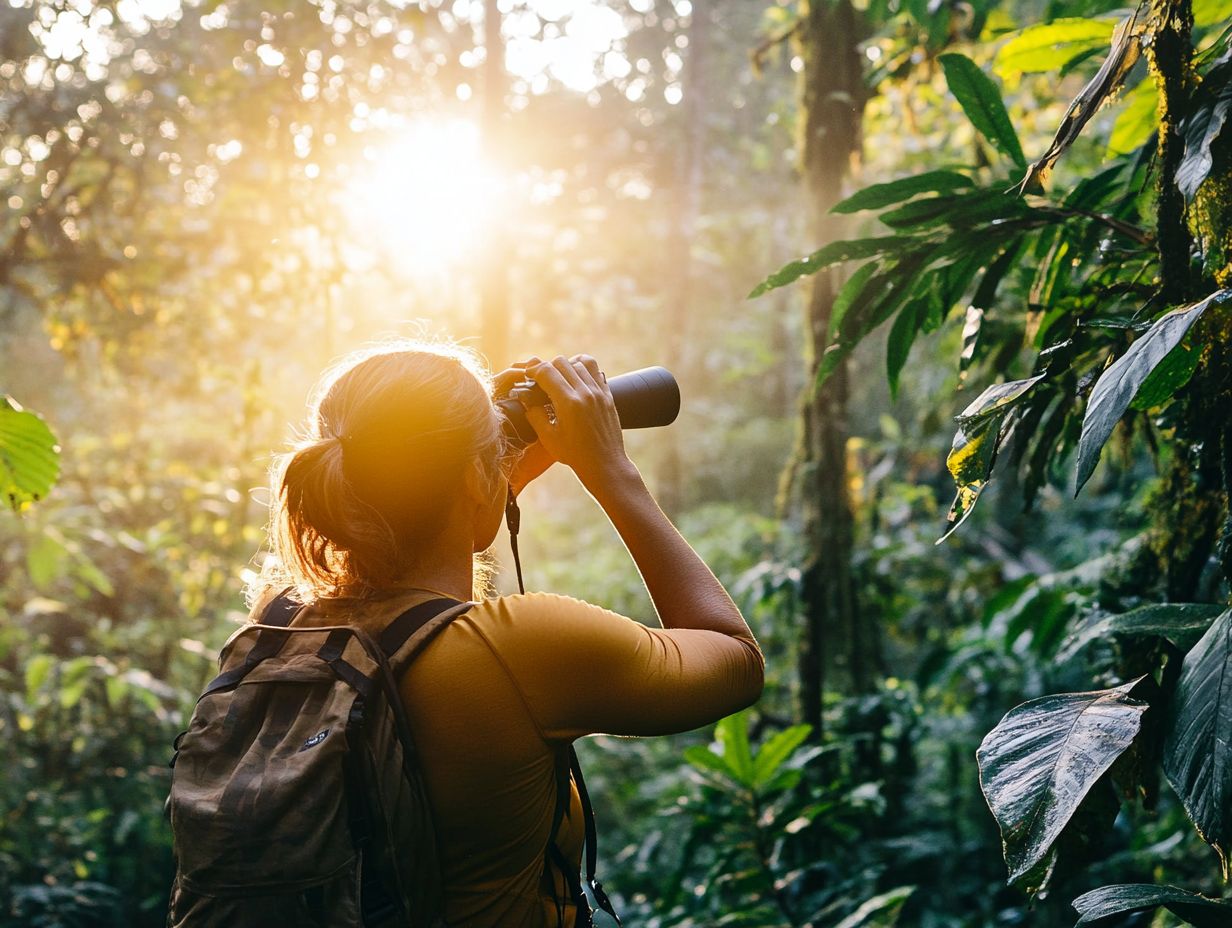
[568, 372]
[589, 373]
[553, 382]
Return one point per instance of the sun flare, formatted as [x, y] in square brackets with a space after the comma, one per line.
[426, 199]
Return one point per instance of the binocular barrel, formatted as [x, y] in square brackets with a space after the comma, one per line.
[645, 399]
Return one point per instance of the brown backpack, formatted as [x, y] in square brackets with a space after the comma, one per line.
[297, 797]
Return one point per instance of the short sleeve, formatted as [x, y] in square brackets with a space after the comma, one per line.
[584, 670]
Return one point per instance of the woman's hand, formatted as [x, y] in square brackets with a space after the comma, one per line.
[534, 459]
[583, 430]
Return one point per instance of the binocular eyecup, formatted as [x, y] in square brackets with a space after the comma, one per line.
[645, 399]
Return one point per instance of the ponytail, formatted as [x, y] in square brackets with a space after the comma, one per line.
[388, 440]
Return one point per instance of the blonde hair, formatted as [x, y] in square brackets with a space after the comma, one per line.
[391, 432]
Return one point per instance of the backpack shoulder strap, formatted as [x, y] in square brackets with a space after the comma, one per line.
[407, 635]
[280, 610]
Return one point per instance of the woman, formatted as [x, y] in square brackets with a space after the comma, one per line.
[401, 482]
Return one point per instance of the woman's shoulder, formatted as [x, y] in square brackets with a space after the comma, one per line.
[545, 606]
[551, 619]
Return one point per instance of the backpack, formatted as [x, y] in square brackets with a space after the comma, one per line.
[296, 795]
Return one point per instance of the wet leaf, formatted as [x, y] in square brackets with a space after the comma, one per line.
[1204, 125]
[981, 101]
[1197, 759]
[834, 253]
[974, 450]
[1180, 623]
[1169, 375]
[29, 456]
[1051, 46]
[1126, 898]
[896, 191]
[1043, 758]
[1122, 56]
[1119, 384]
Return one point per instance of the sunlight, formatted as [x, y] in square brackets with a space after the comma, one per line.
[425, 200]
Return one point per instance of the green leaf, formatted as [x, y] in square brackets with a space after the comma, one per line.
[1051, 46]
[1123, 54]
[1040, 762]
[981, 101]
[775, 752]
[1119, 384]
[1127, 898]
[46, 558]
[733, 734]
[1169, 375]
[706, 760]
[1211, 12]
[37, 669]
[29, 456]
[1138, 121]
[974, 450]
[834, 253]
[879, 195]
[1180, 623]
[1197, 759]
[848, 292]
[881, 911]
[902, 335]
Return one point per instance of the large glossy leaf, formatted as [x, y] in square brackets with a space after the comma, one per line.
[974, 450]
[981, 101]
[1180, 623]
[834, 253]
[29, 456]
[1122, 56]
[1119, 384]
[1051, 46]
[1099, 906]
[1198, 749]
[1040, 762]
[896, 191]
[1168, 376]
[1204, 125]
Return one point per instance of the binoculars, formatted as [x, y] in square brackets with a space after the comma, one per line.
[645, 399]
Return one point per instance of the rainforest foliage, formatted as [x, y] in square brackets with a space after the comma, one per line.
[971, 486]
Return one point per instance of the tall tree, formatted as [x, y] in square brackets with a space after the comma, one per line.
[686, 207]
[836, 647]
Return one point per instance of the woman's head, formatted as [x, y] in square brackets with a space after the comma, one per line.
[396, 436]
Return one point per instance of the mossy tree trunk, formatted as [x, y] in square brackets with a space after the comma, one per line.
[1191, 517]
[836, 647]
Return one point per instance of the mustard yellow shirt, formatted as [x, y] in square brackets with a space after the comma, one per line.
[497, 697]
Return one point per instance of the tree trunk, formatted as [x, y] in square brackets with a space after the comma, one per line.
[494, 269]
[686, 207]
[835, 647]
